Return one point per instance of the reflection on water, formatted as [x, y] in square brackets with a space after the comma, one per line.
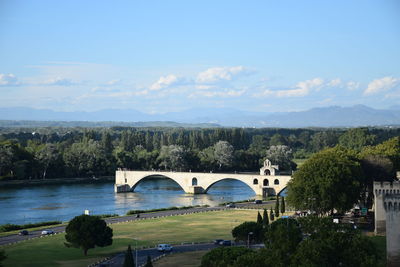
[63, 202]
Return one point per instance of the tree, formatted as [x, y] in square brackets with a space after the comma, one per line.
[324, 139]
[331, 179]
[282, 156]
[283, 209]
[336, 249]
[6, 158]
[148, 262]
[2, 257]
[255, 259]
[265, 219]
[223, 154]
[389, 149]
[277, 206]
[356, 138]
[271, 215]
[85, 158]
[259, 144]
[259, 218]
[241, 232]
[173, 157]
[376, 168]
[47, 155]
[281, 239]
[129, 261]
[277, 140]
[331, 244]
[177, 155]
[223, 256]
[87, 232]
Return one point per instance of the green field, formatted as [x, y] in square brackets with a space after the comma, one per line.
[198, 227]
[299, 162]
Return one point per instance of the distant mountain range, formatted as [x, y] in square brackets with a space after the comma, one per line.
[333, 116]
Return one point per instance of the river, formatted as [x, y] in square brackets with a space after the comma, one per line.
[63, 202]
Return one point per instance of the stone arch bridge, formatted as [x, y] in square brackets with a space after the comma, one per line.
[199, 183]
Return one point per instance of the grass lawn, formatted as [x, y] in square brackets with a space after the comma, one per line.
[187, 259]
[199, 227]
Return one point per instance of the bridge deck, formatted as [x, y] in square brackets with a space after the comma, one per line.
[200, 182]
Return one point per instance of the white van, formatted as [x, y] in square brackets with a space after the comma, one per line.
[164, 247]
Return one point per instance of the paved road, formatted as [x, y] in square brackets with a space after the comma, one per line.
[142, 254]
[4, 240]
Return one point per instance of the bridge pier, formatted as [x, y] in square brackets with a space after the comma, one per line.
[195, 189]
[121, 188]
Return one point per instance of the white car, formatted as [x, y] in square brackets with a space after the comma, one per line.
[164, 247]
[47, 232]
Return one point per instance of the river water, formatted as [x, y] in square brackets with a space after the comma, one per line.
[63, 202]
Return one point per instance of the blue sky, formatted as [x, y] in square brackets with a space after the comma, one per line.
[160, 56]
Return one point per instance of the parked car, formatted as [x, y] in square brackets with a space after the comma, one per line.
[231, 205]
[258, 201]
[164, 247]
[47, 232]
[24, 232]
[218, 241]
[226, 243]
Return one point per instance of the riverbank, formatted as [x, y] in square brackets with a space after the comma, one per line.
[55, 181]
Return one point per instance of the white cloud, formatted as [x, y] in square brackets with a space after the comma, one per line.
[353, 85]
[59, 82]
[380, 85]
[113, 82]
[335, 82]
[104, 94]
[218, 74]
[302, 89]
[8, 79]
[205, 87]
[166, 81]
[224, 93]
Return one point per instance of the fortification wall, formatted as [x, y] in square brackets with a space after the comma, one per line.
[391, 205]
[381, 190]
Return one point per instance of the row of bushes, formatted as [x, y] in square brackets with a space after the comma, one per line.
[239, 201]
[131, 212]
[11, 227]
[107, 215]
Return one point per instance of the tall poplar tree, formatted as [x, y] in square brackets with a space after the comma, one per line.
[265, 218]
[277, 206]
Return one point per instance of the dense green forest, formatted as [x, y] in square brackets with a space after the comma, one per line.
[54, 152]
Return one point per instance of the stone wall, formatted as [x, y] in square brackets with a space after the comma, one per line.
[381, 190]
[391, 205]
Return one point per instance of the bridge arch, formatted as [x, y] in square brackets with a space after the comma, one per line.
[283, 189]
[228, 178]
[156, 175]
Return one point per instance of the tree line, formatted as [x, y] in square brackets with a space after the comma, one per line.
[307, 241]
[53, 152]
